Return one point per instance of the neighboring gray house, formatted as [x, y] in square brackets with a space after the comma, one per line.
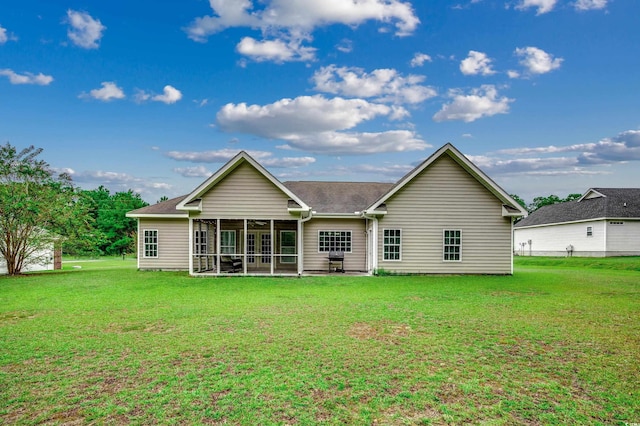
[603, 222]
[445, 216]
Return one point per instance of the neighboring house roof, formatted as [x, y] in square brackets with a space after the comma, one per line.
[511, 207]
[163, 209]
[596, 203]
[338, 197]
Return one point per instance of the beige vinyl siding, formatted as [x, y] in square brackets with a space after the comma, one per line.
[244, 193]
[316, 261]
[445, 196]
[173, 244]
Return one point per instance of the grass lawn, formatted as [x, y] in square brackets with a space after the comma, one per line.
[557, 343]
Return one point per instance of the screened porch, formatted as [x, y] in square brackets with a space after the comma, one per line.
[244, 246]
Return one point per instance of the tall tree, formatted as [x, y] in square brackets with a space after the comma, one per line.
[115, 233]
[544, 201]
[519, 200]
[37, 207]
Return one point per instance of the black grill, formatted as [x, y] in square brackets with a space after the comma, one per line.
[336, 257]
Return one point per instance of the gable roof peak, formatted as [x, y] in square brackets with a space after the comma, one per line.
[450, 150]
[241, 157]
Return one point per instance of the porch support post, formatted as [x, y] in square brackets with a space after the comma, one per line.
[273, 239]
[218, 247]
[190, 246]
[299, 250]
[244, 248]
[375, 244]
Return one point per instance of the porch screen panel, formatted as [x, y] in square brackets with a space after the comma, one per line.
[266, 248]
[228, 242]
[200, 242]
[288, 246]
[251, 248]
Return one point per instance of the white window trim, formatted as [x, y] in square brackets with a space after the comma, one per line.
[589, 231]
[336, 230]
[444, 245]
[295, 248]
[144, 243]
[383, 245]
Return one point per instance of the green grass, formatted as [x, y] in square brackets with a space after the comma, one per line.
[556, 343]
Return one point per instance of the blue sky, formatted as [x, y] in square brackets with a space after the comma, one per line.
[543, 95]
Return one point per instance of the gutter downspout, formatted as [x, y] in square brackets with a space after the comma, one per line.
[301, 222]
[191, 245]
[374, 242]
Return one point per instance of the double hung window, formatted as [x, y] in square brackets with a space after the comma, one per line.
[150, 243]
[392, 244]
[452, 245]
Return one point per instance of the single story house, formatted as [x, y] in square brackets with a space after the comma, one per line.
[444, 217]
[603, 222]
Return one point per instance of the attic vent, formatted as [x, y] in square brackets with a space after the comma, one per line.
[616, 223]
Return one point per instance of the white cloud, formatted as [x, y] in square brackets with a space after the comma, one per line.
[513, 74]
[6, 36]
[314, 124]
[26, 78]
[295, 16]
[84, 31]
[217, 156]
[108, 92]
[537, 61]
[304, 114]
[275, 50]
[345, 45]
[590, 4]
[543, 6]
[524, 165]
[540, 161]
[476, 63]
[384, 85]
[196, 171]
[223, 155]
[170, 95]
[481, 102]
[622, 148]
[354, 143]
[121, 181]
[419, 59]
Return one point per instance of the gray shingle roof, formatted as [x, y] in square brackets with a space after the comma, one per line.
[616, 203]
[338, 197]
[164, 207]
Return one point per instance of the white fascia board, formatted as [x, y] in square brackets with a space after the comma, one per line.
[160, 216]
[542, 225]
[337, 216]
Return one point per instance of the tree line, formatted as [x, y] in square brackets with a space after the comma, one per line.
[544, 201]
